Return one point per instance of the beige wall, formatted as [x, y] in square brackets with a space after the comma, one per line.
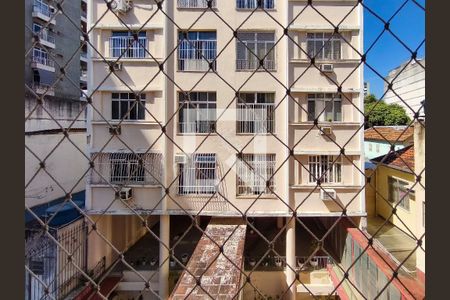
[419, 155]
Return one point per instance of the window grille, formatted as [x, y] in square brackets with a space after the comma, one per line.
[198, 175]
[400, 193]
[253, 173]
[124, 106]
[252, 47]
[195, 3]
[325, 107]
[122, 44]
[43, 8]
[197, 112]
[255, 113]
[325, 168]
[196, 50]
[40, 56]
[324, 46]
[252, 4]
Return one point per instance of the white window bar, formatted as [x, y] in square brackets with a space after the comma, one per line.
[326, 107]
[195, 3]
[253, 172]
[121, 104]
[198, 175]
[399, 191]
[327, 43]
[255, 113]
[124, 168]
[197, 112]
[196, 53]
[252, 4]
[254, 46]
[41, 57]
[43, 34]
[42, 7]
[125, 46]
[326, 168]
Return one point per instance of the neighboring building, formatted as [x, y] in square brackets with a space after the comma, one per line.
[366, 89]
[394, 179]
[378, 140]
[259, 184]
[409, 85]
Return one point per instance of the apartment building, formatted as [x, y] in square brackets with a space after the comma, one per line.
[409, 85]
[200, 119]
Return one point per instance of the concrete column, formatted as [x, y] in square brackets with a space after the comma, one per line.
[290, 257]
[164, 235]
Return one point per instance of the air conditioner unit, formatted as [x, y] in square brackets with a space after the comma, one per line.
[326, 130]
[180, 158]
[126, 194]
[117, 66]
[327, 68]
[121, 6]
[327, 194]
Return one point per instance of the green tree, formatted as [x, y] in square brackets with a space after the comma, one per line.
[379, 113]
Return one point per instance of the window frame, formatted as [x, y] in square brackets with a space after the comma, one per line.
[318, 164]
[195, 167]
[211, 111]
[251, 62]
[246, 2]
[257, 180]
[126, 166]
[249, 125]
[187, 52]
[140, 112]
[324, 38]
[323, 102]
[138, 49]
[395, 187]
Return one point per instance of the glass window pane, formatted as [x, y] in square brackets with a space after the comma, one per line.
[115, 110]
[311, 110]
[337, 110]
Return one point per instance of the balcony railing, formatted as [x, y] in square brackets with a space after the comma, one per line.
[252, 4]
[279, 262]
[196, 55]
[195, 3]
[83, 75]
[43, 61]
[127, 47]
[46, 36]
[45, 9]
[84, 14]
[253, 64]
[255, 118]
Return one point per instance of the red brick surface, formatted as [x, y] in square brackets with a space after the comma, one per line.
[403, 159]
[221, 275]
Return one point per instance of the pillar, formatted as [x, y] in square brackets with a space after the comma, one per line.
[290, 258]
[164, 235]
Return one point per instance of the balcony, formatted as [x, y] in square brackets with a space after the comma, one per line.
[195, 4]
[83, 56]
[253, 64]
[83, 75]
[43, 11]
[43, 63]
[46, 38]
[41, 89]
[252, 4]
[255, 118]
[83, 16]
[127, 47]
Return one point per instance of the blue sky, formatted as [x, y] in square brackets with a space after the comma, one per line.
[388, 53]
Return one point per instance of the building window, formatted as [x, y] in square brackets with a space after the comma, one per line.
[325, 107]
[198, 175]
[399, 193]
[125, 168]
[255, 113]
[196, 50]
[195, 3]
[322, 45]
[122, 44]
[124, 106]
[252, 4]
[253, 172]
[253, 47]
[377, 147]
[326, 168]
[370, 146]
[197, 112]
[43, 8]
[40, 56]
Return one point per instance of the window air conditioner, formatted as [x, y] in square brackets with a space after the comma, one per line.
[121, 6]
[117, 66]
[327, 194]
[126, 194]
[326, 130]
[326, 68]
[180, 158]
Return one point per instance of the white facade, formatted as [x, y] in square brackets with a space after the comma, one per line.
[409, 85]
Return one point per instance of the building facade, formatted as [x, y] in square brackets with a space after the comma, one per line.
[409, 85]
[378, 140]
[223, 137]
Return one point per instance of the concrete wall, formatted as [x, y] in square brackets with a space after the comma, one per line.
[419, 155]
[370, 193]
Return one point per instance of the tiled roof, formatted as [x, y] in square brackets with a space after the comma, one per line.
[390, 133]
[220, 276]
[403, 159]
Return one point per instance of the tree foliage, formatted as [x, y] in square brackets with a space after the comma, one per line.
[379, 113]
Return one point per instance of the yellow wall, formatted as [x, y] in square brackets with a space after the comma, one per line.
[384, 208]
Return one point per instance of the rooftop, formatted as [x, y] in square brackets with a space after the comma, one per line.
[392, 134]
[401, 159]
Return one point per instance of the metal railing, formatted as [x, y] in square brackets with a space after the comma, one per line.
[252, 4]
[127, 47]
[41, 7]
[196, 55]
[253, 64]
[43, 60]
[198, 176]
[46, 35]
[195, 3]
[255, 118]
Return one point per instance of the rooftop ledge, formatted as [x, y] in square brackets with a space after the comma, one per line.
[124, 59]
[101, 122]
[329, 186]
[335, 62]
[126, 89]
[334, 124]
[326, 152]
[322, 27]
[323, 90]
[130, 26]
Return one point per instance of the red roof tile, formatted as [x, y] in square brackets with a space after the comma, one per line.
[403, 159]
[390, 133]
